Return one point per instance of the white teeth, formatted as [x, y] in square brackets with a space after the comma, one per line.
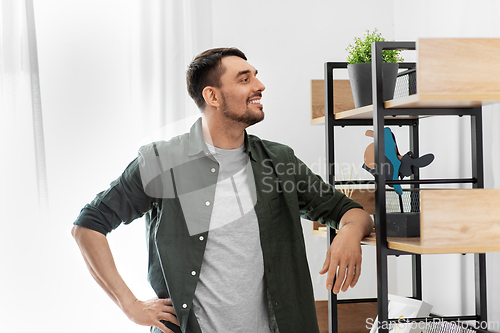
[257, 101]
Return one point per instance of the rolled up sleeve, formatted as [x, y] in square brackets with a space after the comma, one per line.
[124, 201]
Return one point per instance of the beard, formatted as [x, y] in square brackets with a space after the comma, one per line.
[249, 118]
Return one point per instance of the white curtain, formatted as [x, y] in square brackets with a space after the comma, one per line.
[23, 166]
[169, 35]
[24, 200]
[111, 74]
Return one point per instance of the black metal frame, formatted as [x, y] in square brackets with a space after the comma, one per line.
[378, 122]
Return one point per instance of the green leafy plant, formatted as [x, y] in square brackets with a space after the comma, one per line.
[361, 50]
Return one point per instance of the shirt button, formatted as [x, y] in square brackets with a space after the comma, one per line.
[207, 203]
[213, 170]
[184, 306]
[193, 273]
[201, 238]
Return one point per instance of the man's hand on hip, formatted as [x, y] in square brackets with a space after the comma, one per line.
[151, 312]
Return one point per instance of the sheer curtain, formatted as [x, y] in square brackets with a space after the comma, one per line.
[112, 78]
[24, 200]
[23, 164]
[169, 35]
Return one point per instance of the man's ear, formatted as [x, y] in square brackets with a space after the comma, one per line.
[210, 94]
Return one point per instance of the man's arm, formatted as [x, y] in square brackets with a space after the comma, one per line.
[320, 202]
[97, 255]
[344, 255]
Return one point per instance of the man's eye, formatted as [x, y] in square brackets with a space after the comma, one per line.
[244, 80]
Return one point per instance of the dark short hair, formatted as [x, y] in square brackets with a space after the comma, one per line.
[206, 70]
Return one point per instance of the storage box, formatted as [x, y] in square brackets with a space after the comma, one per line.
[403, 308]
[403, 224]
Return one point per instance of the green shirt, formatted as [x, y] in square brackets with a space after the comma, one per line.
[166, 175]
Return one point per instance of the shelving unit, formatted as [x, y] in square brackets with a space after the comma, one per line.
[446, 86]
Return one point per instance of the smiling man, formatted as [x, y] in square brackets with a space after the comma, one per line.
[223, 208]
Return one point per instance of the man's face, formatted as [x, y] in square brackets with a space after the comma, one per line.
[241, 91]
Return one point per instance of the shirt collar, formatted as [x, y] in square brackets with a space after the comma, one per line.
[197, 143]
[248, 147]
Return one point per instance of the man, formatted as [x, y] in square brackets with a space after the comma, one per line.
[226, 249]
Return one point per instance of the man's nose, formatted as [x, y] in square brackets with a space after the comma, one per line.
[260, 86]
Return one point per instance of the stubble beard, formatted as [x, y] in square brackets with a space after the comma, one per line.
[248, 118]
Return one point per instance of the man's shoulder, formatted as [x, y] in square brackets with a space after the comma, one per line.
[164, 153]
[177, 143]
[271, 147]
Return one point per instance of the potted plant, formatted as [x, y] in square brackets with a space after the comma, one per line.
[360, 68]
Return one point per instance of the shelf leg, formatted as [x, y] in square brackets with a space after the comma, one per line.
[478, 173]
[380, 204]
[476, 121]
[330, 173]
[480, 280]
[333, 326]
[416, 261]
[415, 148]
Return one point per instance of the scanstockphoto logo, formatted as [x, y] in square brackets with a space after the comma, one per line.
[290, 178]
[431, 325]
[347, 171]
[277, 177]
[347, 174]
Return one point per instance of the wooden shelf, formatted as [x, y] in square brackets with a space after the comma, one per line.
[319, 120]
[366, 112]
[427, 101]
[417, 102]
[453, 221]
[413, 245]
